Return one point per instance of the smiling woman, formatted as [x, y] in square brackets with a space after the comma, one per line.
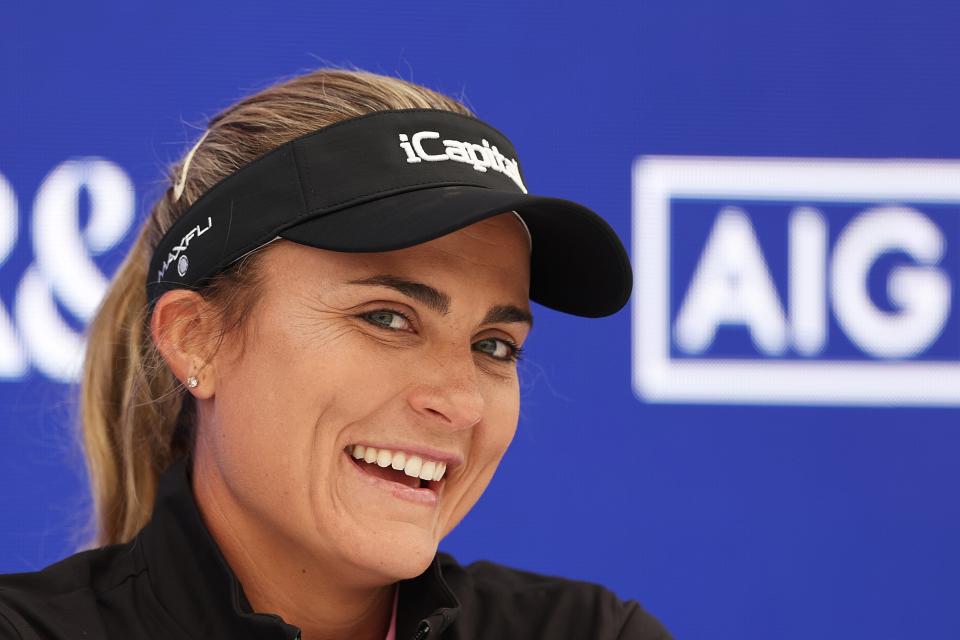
[304, 376]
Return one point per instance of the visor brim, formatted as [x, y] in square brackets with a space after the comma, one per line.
[578, 264]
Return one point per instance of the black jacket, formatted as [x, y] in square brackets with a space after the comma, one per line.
[171, 581]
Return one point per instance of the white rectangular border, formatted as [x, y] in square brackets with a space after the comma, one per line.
[658, 378]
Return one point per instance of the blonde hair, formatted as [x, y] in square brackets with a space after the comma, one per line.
[136, 415]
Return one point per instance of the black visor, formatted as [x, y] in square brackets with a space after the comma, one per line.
[389, 180]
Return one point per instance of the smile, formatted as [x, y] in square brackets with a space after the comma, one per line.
[406, 475]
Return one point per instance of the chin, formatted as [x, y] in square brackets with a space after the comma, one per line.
[377, 522]
[389, 557]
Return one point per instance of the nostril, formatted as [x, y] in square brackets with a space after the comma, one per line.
[438, 413]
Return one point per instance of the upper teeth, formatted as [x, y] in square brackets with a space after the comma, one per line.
[413, 466]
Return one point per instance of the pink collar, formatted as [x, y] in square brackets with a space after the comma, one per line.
[392, 631]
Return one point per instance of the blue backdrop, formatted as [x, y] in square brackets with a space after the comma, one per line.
[762, 446]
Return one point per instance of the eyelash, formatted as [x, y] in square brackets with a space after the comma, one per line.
[516, 351]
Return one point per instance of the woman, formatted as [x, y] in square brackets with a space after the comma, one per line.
[304, 375]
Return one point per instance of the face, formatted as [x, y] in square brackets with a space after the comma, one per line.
[374, 396]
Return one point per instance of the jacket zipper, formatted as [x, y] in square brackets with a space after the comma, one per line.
[423, 630]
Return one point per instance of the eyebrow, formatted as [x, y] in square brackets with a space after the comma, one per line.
[440, 302]
[507, 313]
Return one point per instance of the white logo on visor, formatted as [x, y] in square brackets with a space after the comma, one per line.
[177, 252]
[481, 156]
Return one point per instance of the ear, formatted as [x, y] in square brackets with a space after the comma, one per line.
[181, 329]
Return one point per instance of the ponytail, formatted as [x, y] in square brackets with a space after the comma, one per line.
[129, 404]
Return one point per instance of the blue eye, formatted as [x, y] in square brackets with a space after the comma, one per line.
[499, 349]
[388, 319]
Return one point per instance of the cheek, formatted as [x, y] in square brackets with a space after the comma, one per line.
[257, 425]
[268, 401]
[259, 399]
[282, 409]
[504, 415]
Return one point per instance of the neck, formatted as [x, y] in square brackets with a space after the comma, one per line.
[278, 580]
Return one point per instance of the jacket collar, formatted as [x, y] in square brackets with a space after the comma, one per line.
[193, 582]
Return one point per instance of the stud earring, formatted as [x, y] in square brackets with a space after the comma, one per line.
[192, 382]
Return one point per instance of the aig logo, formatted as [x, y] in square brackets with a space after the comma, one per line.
[800, 281]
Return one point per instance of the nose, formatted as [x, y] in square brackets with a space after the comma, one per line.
[452, 397]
